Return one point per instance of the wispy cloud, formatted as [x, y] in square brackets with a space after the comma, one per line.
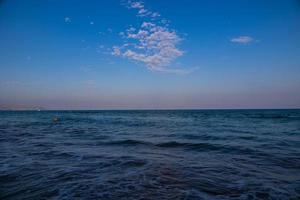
[142, 11]
[242, 40]
[152, 43]
[177, 71]
[67, 19]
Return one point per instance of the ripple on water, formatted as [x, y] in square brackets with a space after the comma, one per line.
[238, 154]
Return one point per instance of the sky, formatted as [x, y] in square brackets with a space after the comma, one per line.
[150, 54]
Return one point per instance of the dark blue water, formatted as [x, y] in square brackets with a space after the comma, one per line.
[204, 154]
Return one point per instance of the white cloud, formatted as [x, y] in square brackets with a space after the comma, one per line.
[67, 19]
[242, 40]
[178, 71]
[116, 51]
[138, 5]
[155, 14]
[153, 43]
[142, 11]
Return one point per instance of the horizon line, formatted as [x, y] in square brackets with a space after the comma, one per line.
[148, 109]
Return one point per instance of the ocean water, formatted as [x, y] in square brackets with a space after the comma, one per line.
[183, 154]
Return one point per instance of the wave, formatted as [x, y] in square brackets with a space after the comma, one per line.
[127, 142]
[276, 116]
[202, 146]
[171, 144]
[198, 146]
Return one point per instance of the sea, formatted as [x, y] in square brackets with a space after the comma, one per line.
[150, 154]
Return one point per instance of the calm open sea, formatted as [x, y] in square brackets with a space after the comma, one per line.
[179, 154]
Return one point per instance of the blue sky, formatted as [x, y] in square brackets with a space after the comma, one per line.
[150, 54]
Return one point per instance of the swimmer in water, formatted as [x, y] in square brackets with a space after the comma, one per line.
[55, 119]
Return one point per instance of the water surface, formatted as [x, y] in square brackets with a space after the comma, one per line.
[183, 154]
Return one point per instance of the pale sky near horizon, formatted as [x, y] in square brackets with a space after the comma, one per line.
[150, 54]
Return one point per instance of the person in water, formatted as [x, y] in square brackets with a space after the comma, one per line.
[55, 119]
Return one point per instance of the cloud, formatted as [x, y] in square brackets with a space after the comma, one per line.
[242, 40]
[116, 51]
[138, 5]
[152, 43]
[142, 11]
[67, 19]
[177, 71]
